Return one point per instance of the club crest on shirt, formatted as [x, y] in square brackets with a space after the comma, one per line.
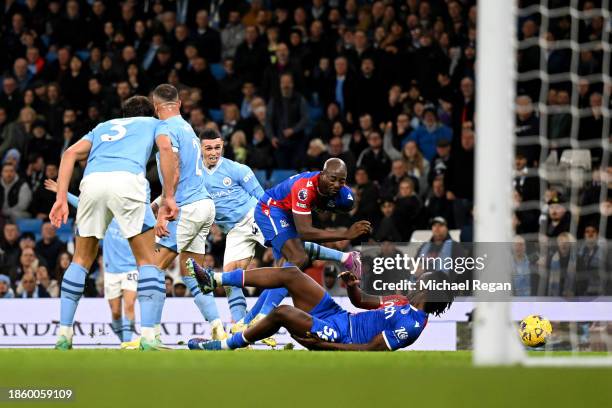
[303, 194]
[227, 181]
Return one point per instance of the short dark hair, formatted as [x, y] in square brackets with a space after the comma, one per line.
[137, 106]
[438, 301]
[209, 134]
[166, 93]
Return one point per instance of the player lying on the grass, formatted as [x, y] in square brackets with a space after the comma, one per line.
[319, 323]
[236, 191]
[120, 277]
[284, 215]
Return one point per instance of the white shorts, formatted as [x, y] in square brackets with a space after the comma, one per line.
[193, 226]
[115, 283]
[242, 240]
[104, 196]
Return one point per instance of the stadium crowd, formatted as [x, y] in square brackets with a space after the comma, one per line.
[387, 86]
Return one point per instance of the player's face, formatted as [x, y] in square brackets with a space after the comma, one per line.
[212, 150]
[331, 182]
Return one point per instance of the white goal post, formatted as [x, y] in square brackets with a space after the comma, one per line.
[495, 337]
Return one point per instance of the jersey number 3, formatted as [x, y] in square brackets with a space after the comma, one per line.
[118, 127]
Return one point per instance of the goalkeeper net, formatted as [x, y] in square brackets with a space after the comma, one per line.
[552, 85]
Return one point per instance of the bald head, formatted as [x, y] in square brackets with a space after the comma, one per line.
[334, 165]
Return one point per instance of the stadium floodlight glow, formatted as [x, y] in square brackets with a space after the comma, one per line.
[494, 335]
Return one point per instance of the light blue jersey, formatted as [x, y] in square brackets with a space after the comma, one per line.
[121, 145]
[191, 186]
[235, 191]
[116, 252]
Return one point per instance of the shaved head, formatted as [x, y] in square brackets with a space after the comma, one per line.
[334, 165]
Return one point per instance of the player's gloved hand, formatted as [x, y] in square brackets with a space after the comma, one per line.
[358, 229]
[349, 279]
[59, 213]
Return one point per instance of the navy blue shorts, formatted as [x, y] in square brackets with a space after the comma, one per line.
[330, 322]
[277, 227]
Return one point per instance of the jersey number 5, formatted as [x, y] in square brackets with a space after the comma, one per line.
[119, 127]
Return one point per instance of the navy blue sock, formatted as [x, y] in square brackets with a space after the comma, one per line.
[116, 326]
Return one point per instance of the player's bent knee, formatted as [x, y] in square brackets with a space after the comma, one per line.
[281, 313]
[300, 260]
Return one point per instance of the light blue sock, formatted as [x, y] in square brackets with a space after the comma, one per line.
[274, 298]
[116, 325]
[151, 294]
[73, 285]
[236, 302]
[316, 251]
[206, 303]
[233, 278]
[127, 326]
[256, 307]
[237, 341]
[161, 277]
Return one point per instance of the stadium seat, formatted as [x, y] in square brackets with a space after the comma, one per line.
[216, 115]
[217, 71]
[280, 175]
[32, 225]
[66, 232]
[261, 176]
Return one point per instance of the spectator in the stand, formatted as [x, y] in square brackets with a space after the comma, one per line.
[287, 120]
[558, 220]
[374, 159]
[63, 262]
[460, 177]
[42, 143]
[10, 97]
[366, 197]
[316, 155]
[590, 133]
[388, 229]
[261, 153]
[232, 35]
[440, 162]
[169, 286]
[560, 122]
[331, 282]
[526, 182]
[180, 289]
[390, 184]
[248, 94]
[43, 199]
[463, 108]
[35, 171]
[10, 247]
[207, 38]
[342, 88]
[417, 166]
[44, 281]
[231, 116]
[561, 266]
[441, 245]
[527, 129]
[15, 195]
[324, 128]
[394, 137]
[524, 276]
[437, 205]
[408, 208]
[27, 261]
[230, 84]
[592, 273]
[238, 144]
[369, 89]
[429, 133]
[50, 246]
[251, 57]
[29, 289]
[271, 86]
[6, 292]
[336, 150]
[17, 134]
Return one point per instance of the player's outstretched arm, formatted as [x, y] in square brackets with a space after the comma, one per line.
[314, 343]
[76, 152]
[303, 224]
[356, 295]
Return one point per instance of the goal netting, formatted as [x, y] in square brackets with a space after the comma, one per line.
[544, 177]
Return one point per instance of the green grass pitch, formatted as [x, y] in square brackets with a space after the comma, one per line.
[116, 378]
